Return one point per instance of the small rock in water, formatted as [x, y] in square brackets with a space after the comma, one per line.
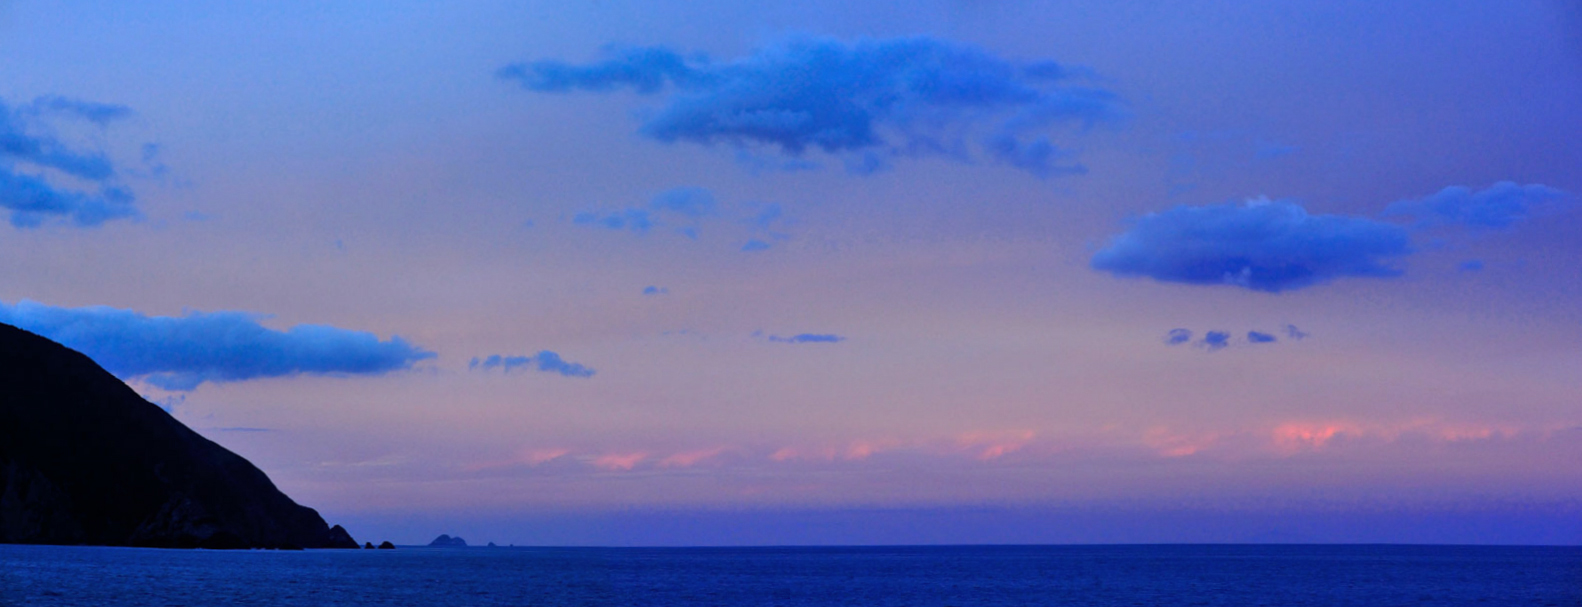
[386, 545]
[368, 545]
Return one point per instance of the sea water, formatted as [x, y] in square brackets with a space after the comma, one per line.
[1233, 575]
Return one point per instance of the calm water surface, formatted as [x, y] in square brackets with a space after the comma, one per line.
[961, 576]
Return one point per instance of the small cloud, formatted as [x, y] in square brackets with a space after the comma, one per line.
[687, 202]
[634, 220]
[619, 461]
[690, 458]
[1269, 150]
[755, 245]
[1260, 338]
[1177, 337]
[545, 361]
[1215, 340]
[808, 338]
[654, 290]
[1262, 245]
[1501, 206]
[1294, 333]
[101, 114]
[1471, 265]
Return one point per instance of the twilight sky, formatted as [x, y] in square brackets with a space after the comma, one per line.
[708, 272]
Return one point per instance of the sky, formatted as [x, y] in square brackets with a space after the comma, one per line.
[937, 271]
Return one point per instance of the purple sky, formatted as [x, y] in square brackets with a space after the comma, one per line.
[827, 272]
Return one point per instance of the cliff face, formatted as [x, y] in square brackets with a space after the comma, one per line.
[85, 460]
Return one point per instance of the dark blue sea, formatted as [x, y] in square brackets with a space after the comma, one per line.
[1372, 576]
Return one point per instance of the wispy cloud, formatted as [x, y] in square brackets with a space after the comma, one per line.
[180, 353]
[618, 461]
[1216, 340]
[808, 338]
[1501, 206]
[869, 101]
[32, 156]
[545, 361]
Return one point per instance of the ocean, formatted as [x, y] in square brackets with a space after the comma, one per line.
[1210, 575]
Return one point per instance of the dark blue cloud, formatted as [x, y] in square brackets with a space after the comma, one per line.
[1177, 337]
[1500, 206]
[868, 100]
[1294, 333]
[1215, 340]
[32, 158]
[808, 338]
[179, 353]
[544, 360]
[1261, 245]
[1471, 265]
[1257, 337]
[655, 290]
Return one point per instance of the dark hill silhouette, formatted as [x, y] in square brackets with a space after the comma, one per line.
[448, 541]
[85, 460]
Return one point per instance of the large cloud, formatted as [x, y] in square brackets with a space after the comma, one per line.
[34, 161]
[1500, 206]
[1260, 245]
[868, 100]
[179, 353]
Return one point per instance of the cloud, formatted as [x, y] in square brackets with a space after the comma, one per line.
[869, 100]
[180, 353]
[1471, 265]
[1501, 206]
[33, 159]
[1177, 337]
[101, 114]
[1260, 245]
[1215, 340]
[684, 210]
[545, 361]
[678, 208]
[653, 290]
[808, 338]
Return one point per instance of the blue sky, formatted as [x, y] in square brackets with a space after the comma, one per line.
[591, 274]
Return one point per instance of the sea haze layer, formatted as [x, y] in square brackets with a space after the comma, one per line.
[1228, 575]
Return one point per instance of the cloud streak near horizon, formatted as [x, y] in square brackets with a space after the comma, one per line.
[181, 353]
[808, 338]
[33, 160]
[869, 101]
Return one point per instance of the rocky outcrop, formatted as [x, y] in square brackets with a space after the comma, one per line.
[85, 460]
[445, 541]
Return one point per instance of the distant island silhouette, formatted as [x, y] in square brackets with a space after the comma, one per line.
[85, 460]
[448, 541]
